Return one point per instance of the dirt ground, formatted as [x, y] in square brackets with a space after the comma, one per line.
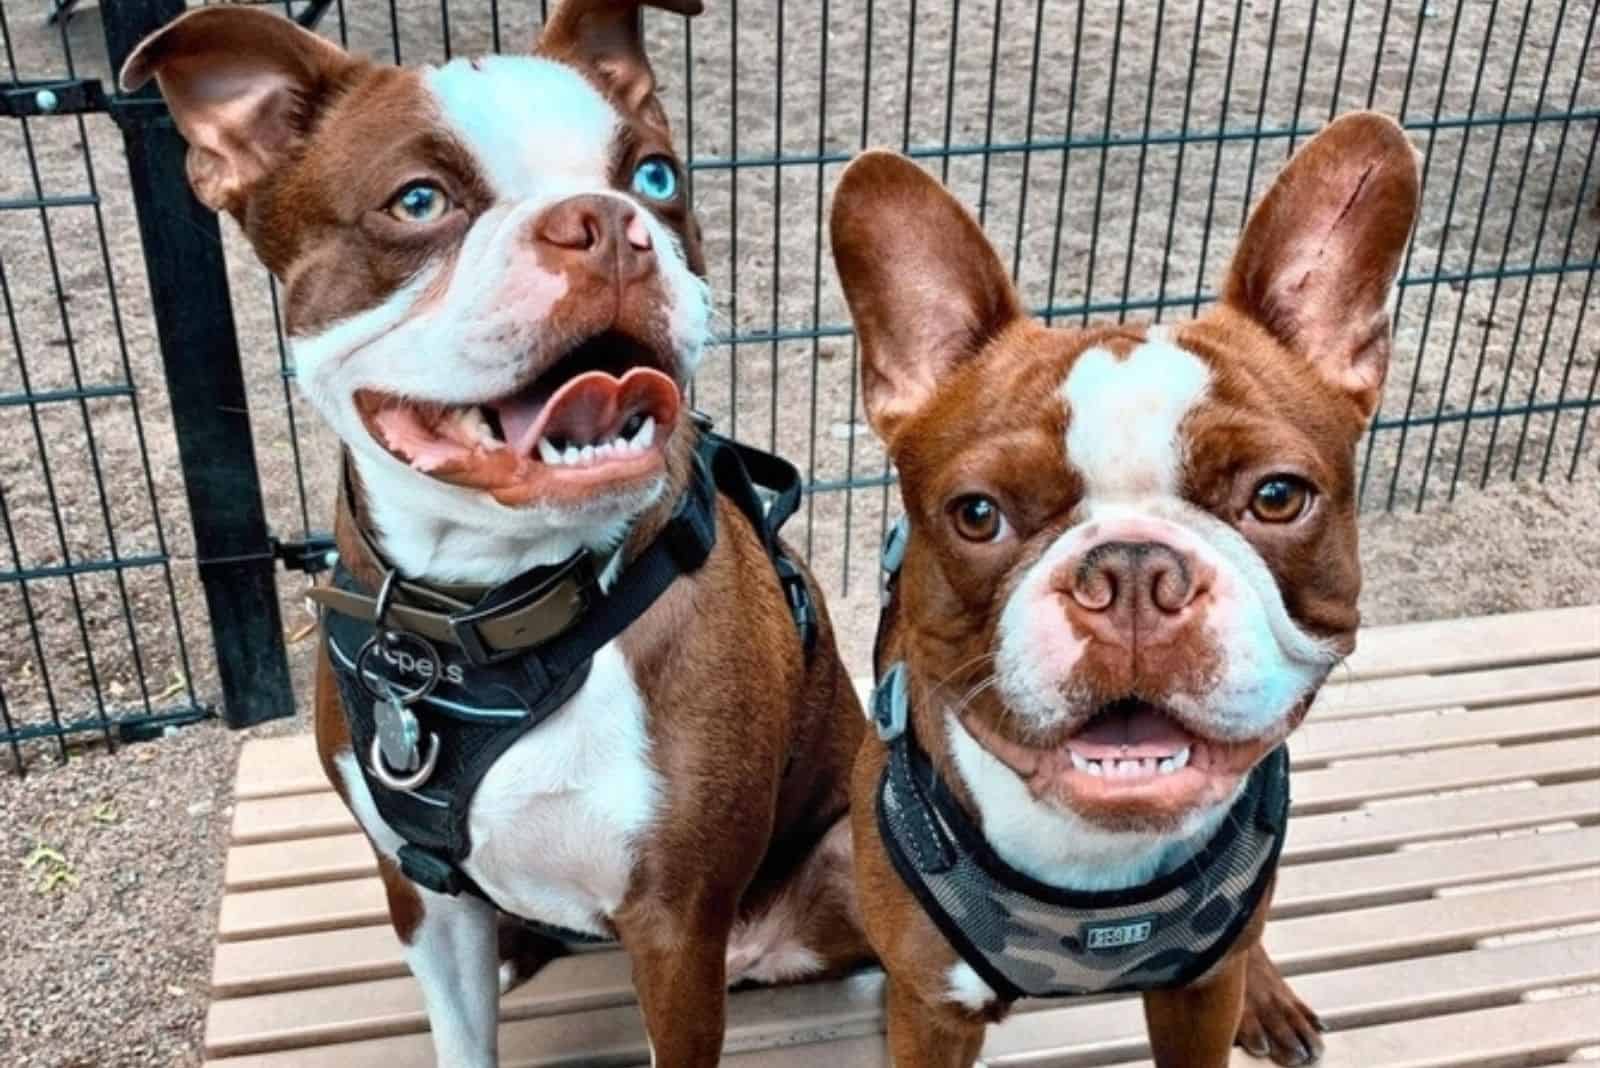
[111, 969]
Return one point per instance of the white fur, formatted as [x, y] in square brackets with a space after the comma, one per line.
[557, 819]
[966, 988]
[540, 133]
[1125, 414]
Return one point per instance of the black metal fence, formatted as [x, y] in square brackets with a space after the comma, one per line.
[1111, 150]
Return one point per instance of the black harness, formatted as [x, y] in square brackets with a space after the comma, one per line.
[436, 682]
[1026, 938]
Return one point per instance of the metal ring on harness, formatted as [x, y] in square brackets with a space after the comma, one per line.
[387, 643]
[380, 770]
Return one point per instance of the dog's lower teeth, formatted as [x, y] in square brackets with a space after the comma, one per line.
[647, 433]
[548, 452]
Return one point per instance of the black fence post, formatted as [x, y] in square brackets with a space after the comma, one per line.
[200, 353]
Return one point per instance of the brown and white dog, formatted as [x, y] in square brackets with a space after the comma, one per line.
[458, 246]
[1132, 556]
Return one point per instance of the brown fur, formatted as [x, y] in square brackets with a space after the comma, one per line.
[753, 739]
[965, 391]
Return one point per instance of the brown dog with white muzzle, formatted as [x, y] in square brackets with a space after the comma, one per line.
[1128, 564]
[570, 674]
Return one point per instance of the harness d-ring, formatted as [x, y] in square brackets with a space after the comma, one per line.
[407, 783]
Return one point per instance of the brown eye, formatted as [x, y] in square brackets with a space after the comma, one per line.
[1280, 499]
[977, 518]
[419, 202]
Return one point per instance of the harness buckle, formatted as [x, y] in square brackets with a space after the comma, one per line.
[801, 605]
[575, 574]
[429, 871]
[891, 703]
[894, 554]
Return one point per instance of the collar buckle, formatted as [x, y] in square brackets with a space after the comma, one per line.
[540, 612]
[890, 703]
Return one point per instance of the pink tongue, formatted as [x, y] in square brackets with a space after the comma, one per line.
[1134, 731]
[590, 409]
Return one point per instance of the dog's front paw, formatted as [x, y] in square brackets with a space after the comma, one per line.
[1276, 1024]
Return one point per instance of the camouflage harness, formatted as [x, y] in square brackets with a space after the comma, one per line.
[1026, 938]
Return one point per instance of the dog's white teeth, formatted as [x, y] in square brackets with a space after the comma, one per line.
[646, 434]
[604, 452]
[586, 454]
[1166, 766]
[1094, 767]
[1078, 762]
[1180, 759]
[548, 452]
[473, 422]
[572, 455]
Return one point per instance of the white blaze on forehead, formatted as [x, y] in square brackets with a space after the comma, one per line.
[533, 125]
[1124, 416]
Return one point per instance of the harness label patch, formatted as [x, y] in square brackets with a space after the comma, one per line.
[1120, 935]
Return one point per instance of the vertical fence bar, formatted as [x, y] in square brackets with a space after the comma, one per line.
[205, 381]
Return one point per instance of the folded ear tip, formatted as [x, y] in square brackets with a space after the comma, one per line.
[135, 72]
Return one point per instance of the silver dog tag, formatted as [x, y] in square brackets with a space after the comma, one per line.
[397, 735]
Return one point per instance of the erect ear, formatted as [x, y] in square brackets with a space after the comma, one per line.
[606, 37]
[1319, 256]
[243, 86]
[925, 288]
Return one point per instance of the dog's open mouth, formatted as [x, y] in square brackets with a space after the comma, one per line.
[1131, 757]
[598, 418]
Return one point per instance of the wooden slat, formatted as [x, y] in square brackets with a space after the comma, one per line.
[1514, 1035]
[1321, 741]
[1363, 881]
[1320, 789]
[277, 819]
[1100, 1031]
[1433, 926]
[273, 767]
[1458, 644]
[1534, 682]
[394, 1006]
[322, 958]
[297, 862]
[302, 909]
[1394, 823]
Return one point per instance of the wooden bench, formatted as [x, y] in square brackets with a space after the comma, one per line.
[1439, 901]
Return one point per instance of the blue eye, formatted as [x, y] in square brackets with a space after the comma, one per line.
[656, 178]
[419, 202]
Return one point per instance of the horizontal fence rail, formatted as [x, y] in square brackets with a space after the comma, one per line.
[1111, 151]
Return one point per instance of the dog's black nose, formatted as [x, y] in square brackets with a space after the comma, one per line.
[601, 234]
[1131, 592]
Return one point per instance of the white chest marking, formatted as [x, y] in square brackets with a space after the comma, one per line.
[1125, 416]
[556, 822]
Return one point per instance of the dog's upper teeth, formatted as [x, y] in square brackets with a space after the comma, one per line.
[1180, 759]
